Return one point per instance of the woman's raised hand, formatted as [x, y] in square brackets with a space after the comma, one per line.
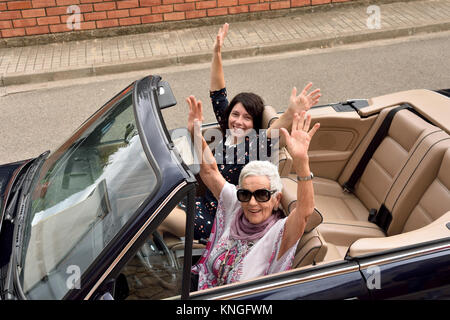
[220, 38]
[298, 141]
[304, 101]
[195, 113]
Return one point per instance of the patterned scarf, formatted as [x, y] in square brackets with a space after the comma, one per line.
[242, 229]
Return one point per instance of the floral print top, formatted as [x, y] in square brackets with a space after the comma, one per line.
[226, 260]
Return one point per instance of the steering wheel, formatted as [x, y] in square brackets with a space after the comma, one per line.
[153, 273]
[155, 251]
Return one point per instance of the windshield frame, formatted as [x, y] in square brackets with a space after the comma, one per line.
[178, 181]
[86, 128]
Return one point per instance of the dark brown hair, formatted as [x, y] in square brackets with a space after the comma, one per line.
[252, 103]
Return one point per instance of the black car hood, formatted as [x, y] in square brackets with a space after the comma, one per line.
[8, 173]
[8, 176]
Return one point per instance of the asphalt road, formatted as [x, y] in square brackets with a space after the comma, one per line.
[35, 118]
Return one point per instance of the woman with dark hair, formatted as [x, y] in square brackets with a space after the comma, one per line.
[236, 119]
[250, 236]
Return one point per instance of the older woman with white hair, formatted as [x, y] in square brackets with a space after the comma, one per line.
[250, 236]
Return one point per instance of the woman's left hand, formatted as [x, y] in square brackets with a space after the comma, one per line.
[304, 101]
[298, 144]
[220, 38]
[298, 141]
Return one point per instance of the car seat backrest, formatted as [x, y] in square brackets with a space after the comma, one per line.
[426, 196]
[284, 158]
[406, 132]
[268, 117]
[289, 200]
[284, 162]
[311, 248]
[438, 229]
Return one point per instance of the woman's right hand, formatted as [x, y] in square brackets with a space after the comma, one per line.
[220, 38]
[195, 113]
[209, 171]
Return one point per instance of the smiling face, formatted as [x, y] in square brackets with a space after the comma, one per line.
[257, 212]
[239, 121]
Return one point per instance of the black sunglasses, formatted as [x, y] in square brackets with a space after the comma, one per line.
[261, 195]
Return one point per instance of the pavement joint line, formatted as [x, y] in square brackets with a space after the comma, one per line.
[96, 69]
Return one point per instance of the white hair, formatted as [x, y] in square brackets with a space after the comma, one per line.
[262, 168]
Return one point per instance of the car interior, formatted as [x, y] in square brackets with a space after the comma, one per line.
[400, 198]
[381, 177]
[405, 182]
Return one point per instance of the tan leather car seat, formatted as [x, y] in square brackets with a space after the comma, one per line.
[408, 134]
[405, 134]
[268, 117]
[284, 158]
[413, 150]
[422, 167]
[312, 247]
[425, 197]
[438, 229]
[419, 202]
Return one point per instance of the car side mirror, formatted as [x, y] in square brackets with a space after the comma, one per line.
[166, 98]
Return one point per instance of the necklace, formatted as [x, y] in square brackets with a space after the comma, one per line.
[225, 269]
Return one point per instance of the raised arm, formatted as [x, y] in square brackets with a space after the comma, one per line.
[297, 103]
[298, 144]
[217, 75]
[209, 171]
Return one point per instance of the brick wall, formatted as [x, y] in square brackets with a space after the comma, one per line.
[36, 17]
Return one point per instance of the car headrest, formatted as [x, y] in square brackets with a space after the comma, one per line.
[289, 200]
[284, 162]
[314, 220]
[269, 115]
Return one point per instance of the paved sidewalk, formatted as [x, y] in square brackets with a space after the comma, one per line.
[322, 28]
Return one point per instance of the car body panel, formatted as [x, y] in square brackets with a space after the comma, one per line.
[408, 271]
[340, 280]
[8, 175]
[420, 272]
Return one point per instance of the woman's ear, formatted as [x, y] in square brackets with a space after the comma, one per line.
[278, 200]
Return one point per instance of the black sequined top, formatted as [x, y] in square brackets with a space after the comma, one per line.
[230, 164]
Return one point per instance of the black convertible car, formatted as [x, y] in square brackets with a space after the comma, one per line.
[81, 222]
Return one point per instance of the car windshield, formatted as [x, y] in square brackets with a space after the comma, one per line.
[86, 191]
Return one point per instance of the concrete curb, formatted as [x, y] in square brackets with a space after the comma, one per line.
[205, 56]
[183, 24]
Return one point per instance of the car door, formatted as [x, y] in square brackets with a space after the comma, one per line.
[341, 131]
[152, 267]
[171, 183]
[336, 280]
[416, 272]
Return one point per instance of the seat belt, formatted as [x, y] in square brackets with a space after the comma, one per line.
[383, 218]
[349, 186]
